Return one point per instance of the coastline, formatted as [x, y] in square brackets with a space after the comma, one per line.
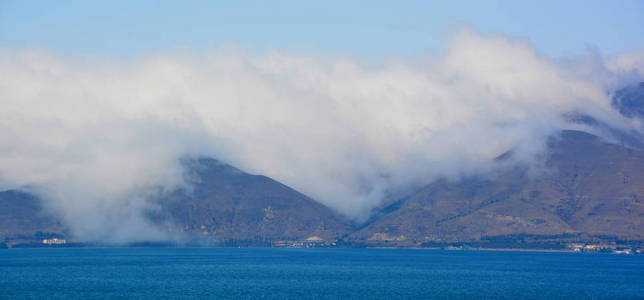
[326, 248]
[477, 249]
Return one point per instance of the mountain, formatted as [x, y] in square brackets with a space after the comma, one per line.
[629, 101]
[224, 207]
[233, 206]
[590, 189]
[22, 219]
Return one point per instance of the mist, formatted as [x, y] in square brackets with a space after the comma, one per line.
[95, 137]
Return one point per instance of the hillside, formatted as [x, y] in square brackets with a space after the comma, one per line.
[588, 190]
[591, 189]
[230, 205]
[23, 219]
[629, 101]
[224, 207]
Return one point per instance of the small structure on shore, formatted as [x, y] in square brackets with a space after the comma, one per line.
[54, 241]
[310, 242]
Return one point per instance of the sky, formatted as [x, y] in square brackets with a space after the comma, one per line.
[100, 101]
[364, 29]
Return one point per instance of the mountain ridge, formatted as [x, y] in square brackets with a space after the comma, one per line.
[568, 201]
[593, 189]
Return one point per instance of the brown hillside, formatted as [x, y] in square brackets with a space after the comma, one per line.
[591, 187]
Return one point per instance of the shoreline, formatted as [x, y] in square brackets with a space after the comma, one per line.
[333, 248]
[478, 249]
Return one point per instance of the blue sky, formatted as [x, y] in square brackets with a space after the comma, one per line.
[371, 29]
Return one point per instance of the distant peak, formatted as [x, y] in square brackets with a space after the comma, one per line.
[629, 101]
[210, 164]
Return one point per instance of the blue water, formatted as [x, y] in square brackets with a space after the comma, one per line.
[315, 273]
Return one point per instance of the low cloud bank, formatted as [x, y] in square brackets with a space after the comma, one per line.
[96, 137]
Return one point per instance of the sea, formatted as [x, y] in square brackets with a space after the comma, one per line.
[270, 273]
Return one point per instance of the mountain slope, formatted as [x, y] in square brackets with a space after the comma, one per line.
[592, 187]
[589, 188]
[224, 205]
[228, 204]
[629, 101]
[22, 218]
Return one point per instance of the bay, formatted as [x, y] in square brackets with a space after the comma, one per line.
[269, 273]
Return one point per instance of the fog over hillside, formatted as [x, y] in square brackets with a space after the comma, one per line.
[96, 137]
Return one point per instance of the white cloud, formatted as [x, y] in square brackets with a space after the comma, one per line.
[93, 136]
